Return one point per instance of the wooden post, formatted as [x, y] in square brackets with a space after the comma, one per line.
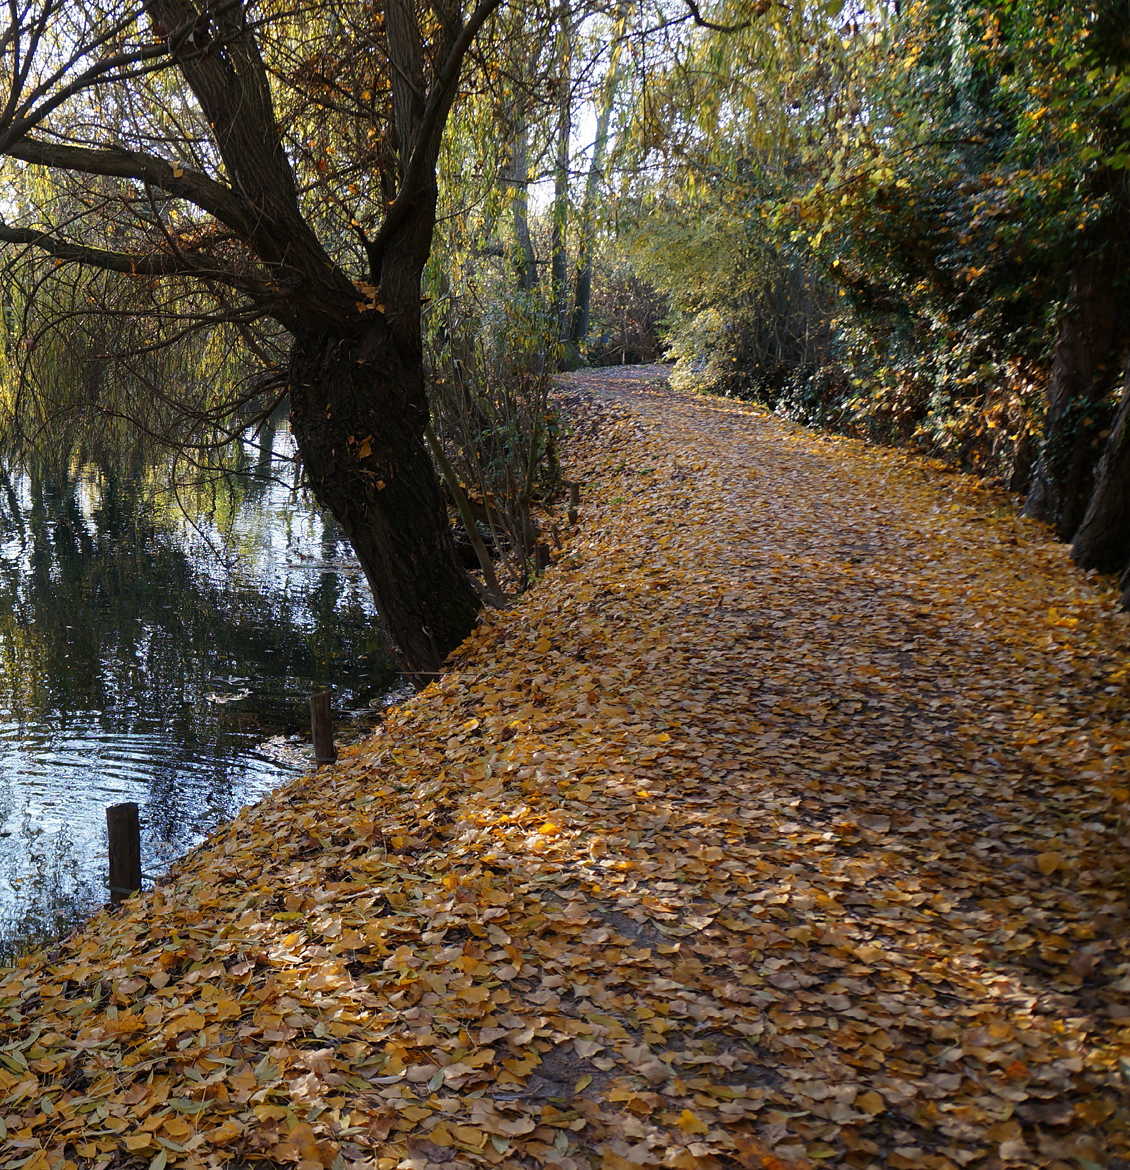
[574, 502]
[123, 830]
[322, 728]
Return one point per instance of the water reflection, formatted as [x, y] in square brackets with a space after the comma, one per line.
[145, 656]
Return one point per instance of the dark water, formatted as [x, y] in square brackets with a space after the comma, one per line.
[147, 657]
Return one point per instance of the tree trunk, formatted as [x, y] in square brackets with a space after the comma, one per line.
[1103, 539]
[1088, 356]
[358, 409]
[525, 261]
[559, 215]
[582, 296]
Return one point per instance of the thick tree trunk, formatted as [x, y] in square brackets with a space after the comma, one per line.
[358, 410]
[1088, 355]
[1103, 539]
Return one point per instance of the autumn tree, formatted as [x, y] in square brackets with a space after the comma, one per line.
[243, 166]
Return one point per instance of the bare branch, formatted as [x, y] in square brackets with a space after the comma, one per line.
[22, 117]
[198, 188]
[702, 22]
[130, 264]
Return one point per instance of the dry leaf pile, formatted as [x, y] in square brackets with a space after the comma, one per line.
[782, 825]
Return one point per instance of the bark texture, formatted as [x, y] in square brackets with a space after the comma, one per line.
[1091, 339]
[358, 410]
[582, 296]
[1103, 539]
[1087, 359]
[519, 178]
[559, 213]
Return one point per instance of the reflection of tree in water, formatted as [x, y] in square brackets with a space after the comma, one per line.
[124, 621]
[116, 627]
[54, 893]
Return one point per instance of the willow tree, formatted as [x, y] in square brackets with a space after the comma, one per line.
[248, 163]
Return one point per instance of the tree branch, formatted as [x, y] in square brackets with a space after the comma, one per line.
[17, 123]
[702, 22]
[198, 188]
[135, 264]
[426, 138]
[234, 93]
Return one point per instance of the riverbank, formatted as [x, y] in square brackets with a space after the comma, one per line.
[782, 824]
[146, 654]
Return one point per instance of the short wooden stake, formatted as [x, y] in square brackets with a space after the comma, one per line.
[322, 728]
[574, 502]
[541, 557]
[123, 830]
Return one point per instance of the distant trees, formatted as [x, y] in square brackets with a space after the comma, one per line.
[555, 105]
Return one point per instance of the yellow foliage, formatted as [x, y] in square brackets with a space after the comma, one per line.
[777, 827]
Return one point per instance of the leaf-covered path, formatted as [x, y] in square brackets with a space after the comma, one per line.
[783, 824]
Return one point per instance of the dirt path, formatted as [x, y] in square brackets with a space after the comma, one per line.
[783, 824]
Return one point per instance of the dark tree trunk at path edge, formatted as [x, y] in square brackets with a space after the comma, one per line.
[1084, 369]
[1103, 539]
[358, 413]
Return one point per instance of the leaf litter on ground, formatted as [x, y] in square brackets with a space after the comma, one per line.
[783, 824]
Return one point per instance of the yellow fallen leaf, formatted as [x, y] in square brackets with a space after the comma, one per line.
[269, 1112]
[469, 1135]
[303, 1140]
[690, 1122]
[1048, 863]
[177, 1128]
[870, 1102]
[225, 1132]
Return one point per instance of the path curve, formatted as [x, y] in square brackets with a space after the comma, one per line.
[782, 824]
[918, 707]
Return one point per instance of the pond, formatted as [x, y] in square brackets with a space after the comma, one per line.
[162, 655]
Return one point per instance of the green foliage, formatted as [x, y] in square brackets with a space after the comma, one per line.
[876, 225]
[953, 223]
[103, 368]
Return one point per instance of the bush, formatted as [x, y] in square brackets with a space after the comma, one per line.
[626, 317]
[493, 425]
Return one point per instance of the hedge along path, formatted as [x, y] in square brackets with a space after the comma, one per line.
[781, 825]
